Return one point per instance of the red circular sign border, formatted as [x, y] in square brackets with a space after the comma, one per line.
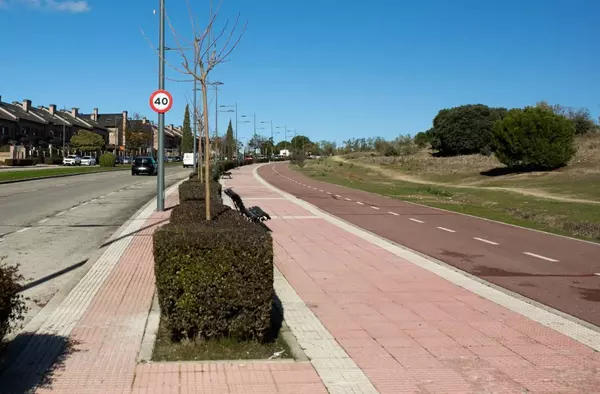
[152, 101]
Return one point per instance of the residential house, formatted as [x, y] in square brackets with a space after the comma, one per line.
[116, 125]
[39, 127]
[20, 125]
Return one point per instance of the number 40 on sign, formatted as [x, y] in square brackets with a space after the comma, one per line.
[161, 101]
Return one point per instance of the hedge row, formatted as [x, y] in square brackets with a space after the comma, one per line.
[20, 162]
[214, 278]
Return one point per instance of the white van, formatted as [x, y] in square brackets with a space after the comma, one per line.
[188, 160]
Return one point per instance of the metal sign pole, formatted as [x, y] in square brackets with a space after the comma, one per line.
[160, 184]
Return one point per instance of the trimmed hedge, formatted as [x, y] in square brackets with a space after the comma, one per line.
[192, 211]
[193, 189]
[12, 304]
[107, 160]
[53, 160]
[215, 278]
[19, 162]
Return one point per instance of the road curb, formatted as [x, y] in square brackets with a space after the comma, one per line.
[58, 176]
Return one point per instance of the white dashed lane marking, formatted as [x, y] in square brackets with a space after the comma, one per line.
[60, 213]
[338, 196]
[321, 190]
[359, 203]
[23, 230]
[72, 209]
[541, 257]
[347, 199]
[377, 208]
[43, 220]
[416, 220]
[487, 241]
[329, 193]
[394, 213]
[446, 229]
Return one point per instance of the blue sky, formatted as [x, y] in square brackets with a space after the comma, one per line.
[329, 69]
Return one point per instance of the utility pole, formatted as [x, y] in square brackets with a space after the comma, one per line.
[160, 182]
[237, 153]
[218, 150]
[195, 129]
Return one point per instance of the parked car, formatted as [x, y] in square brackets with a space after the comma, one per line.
[72, 160]
[144, 165]
[88, 161]
[127, 160]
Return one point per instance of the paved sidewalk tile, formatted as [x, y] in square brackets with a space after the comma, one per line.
[408, 329]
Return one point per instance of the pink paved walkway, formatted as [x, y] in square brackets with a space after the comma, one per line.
[408, 329]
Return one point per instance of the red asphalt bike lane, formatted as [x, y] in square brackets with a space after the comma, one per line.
[560, 272]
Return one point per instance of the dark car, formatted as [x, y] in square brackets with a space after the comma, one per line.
[144, 165]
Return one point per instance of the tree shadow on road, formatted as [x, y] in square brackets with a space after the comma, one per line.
[32, 361]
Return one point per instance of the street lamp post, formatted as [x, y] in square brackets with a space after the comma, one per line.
[160, 202]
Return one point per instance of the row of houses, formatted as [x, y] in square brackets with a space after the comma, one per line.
[37, 128]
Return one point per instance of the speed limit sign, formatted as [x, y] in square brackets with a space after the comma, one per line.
[161, 101]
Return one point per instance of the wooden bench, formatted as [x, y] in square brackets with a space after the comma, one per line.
[226, 174]
[254, 214]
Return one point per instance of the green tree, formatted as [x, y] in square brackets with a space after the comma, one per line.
[533, 138]
[465, 129]
[300, 143]
[230, 150]
[421, 139]
[87, 141]
[281, 145]
[187, 140]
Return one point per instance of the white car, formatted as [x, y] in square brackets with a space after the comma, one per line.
[188, 160]
[88, 161]
[72, 160]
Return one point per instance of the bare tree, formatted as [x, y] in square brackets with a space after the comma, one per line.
[210, 48]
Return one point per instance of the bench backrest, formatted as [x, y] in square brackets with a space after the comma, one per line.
[237, 200]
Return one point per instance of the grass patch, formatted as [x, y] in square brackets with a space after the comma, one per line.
[579, 220]
[222, 349]
[8, 175]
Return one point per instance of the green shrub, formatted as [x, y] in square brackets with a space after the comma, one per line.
[421, 139]
[465, 129]
[533, 138]
[55, 160]
[298, 159]
[12, 304]
[192, 211]
[193, 189]
[107, 160]
[215, 279]
[19, 162]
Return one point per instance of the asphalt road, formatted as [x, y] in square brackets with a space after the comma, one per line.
[560, 272]
[51, 227]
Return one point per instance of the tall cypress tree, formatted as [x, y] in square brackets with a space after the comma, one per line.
[230, 150]
[187, 141]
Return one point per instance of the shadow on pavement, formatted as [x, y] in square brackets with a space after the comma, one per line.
[482, 270]
[276, 319]
[52, 276]
[42, 358]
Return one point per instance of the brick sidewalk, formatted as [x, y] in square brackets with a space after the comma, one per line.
[368, 320]
[406, 328]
